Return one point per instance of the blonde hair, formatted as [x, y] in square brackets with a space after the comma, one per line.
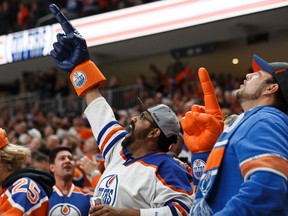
[14, 156]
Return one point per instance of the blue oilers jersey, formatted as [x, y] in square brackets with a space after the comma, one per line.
[75, 202]
[252, 178]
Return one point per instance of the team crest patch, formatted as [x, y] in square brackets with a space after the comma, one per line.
[64, 209]
[79, 79]
[108, 189]
[198, 167]
[206, 182]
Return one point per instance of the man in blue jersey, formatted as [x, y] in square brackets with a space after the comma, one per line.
[247, 170]
[66, 199]
[139, 177]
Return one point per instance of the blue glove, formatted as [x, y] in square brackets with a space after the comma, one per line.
[71, 49]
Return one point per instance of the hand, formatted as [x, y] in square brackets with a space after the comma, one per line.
[88, 165]
[184, 165]
[71, 49]
[105, 210]
[203, 124]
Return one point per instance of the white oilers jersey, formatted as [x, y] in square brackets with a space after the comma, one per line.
[154, 183]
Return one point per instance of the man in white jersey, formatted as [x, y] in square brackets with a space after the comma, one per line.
[139, 178]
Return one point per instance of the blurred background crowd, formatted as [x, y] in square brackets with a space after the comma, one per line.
[17, 15]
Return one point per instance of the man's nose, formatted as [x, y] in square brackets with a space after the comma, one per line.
[249, 76]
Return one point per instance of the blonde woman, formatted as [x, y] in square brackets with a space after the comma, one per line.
[24, 190]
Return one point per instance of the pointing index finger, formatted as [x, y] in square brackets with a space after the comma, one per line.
[210, 100]
[62, 19]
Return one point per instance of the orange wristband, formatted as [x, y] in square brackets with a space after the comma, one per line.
[85, 76]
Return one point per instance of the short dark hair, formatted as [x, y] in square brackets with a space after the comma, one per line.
[39, 157]
[55, 151]
[279, 100]
[164, 142]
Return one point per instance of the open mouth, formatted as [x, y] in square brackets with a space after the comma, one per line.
[130, 129]
[68, 167]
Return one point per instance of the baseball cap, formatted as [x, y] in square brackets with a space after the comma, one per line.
[165, 118]
[279, 70]
[34, 133]
[3, 138]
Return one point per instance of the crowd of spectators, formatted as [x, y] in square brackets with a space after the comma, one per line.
[17, 15]
[42, 131]
[179, 89]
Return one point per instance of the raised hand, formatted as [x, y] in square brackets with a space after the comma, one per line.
[70, 49]
[203, 124]
[71, 54]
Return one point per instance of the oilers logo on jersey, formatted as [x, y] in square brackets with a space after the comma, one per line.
[64, 209]
[108, 189]
[198, 167]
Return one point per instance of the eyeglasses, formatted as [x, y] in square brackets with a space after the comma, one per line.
[142, 116]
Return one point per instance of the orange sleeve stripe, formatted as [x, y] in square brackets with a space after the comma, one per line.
[111, 133]
[270, 162]
[215, 157]
[182, 211]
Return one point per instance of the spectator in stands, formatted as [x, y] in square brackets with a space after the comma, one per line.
[91, 150]
[147, 89]
[49, 130]
[66, 198]
[5, 15]
[92, 171]
[90, 7]
[74, 8]
[40, 161]
[129, 158]
[176, 148]
[24, 191]
[246, 172]
[23, 16]
[52, 142]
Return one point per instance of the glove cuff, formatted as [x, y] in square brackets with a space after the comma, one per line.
[85, 76]
[198, 163]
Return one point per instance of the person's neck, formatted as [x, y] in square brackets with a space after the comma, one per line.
[63, 185]
[142, 150]
[248, 105]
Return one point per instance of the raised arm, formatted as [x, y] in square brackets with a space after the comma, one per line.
[71, 55]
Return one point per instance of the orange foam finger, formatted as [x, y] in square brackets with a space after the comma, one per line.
[198, 108]
[210, 99]
[189, 125]
[85, 76]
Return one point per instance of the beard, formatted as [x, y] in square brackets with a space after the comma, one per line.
[128, 140]
[242, 96]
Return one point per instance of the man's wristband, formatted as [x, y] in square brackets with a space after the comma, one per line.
[85, 76]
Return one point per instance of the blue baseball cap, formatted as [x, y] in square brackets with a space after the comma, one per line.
[279, 70]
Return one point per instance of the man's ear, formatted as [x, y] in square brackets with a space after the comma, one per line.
[272, 88]
[155, 132]
[52, 168]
